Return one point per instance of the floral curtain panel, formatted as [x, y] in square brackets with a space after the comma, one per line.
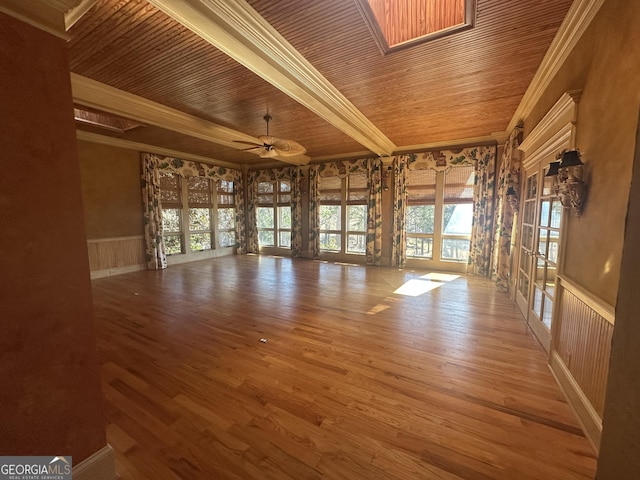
[314, 211]
[194, 169]
[152, 214]
[401, 180]
[372, 168]
[507, 195]
[374, 213]
[483, 203]
[292, 174]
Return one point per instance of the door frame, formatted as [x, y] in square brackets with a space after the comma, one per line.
[555, 132]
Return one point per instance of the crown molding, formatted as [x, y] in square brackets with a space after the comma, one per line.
[236, 29]
[561, 117]
[492, 139]
[76, 13]
[144, 147]
[47, 15]
[578, 18]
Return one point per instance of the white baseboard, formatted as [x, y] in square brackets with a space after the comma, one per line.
[117, 271]
[99, 466]
[587, 416]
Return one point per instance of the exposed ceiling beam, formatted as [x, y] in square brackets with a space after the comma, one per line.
[236, 29]
[103, 97]
[145, 147]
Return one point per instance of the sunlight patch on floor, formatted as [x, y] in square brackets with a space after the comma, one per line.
[421, 285]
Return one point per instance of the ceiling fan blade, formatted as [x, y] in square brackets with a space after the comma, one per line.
[247, 143]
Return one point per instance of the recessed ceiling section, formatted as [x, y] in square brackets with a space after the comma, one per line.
[397, 24]
[104, 120]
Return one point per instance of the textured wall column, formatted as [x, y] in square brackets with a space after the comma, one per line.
[49, 379]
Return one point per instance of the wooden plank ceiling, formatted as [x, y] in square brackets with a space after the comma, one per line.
[449, 91]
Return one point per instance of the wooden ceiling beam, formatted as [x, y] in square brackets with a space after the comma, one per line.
[91, 93]
[236, 29]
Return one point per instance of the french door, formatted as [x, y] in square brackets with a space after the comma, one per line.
[538, 252]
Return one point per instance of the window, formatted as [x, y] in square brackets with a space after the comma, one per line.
[458, 213]
[226, 213]
[171, 198]
[200, 205]
[189, 213]
[273, 214]
[440, 214]
[343, 214]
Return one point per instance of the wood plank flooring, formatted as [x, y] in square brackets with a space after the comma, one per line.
[354, 382]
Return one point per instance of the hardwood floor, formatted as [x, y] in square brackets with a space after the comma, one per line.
[354, 382]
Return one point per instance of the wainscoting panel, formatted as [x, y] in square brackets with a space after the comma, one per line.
[113, 256]
[580, 356]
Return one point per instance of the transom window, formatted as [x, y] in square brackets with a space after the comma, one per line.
[343, 214]
[273, 214]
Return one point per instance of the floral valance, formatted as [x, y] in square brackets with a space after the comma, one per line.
[445, 159]
[187, 168]
[272, 174]
[343, 168]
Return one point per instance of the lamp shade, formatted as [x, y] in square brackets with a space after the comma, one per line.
[570, 158]
[553, 169]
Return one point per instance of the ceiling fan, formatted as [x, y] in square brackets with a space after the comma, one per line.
[274, 146]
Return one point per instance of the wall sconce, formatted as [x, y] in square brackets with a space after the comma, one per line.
[568, 175]
[512, 199]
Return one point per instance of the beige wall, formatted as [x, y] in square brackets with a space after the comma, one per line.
[605, 65]
[110, 190]
[50, 384]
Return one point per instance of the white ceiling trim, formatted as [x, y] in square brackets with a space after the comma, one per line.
[91, 93]
[239, 31]
[578, 18]
[145, 147]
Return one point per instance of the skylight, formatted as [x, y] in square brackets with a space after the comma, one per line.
[401, 23]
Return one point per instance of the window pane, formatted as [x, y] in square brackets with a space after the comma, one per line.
[284, 217]
[172, 244]
[199, 190]
[357, 218]
[544, 213]
[171, 220]
[199, 242]
[458, 219]
[458, 183]
[356, 243]
[556, 214]
[227, 239]
[170, 188]
[455, 249]
[199, 219]
[330, 241]
[420, 219]
[330, 189]
[422, 186]
[419, 247]
[357, 186]
[265, 238]
[284, 196]
[285, 239]
[264, 217]
[330, 217]
[265, 187]
[226, 218]
[225, 193]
